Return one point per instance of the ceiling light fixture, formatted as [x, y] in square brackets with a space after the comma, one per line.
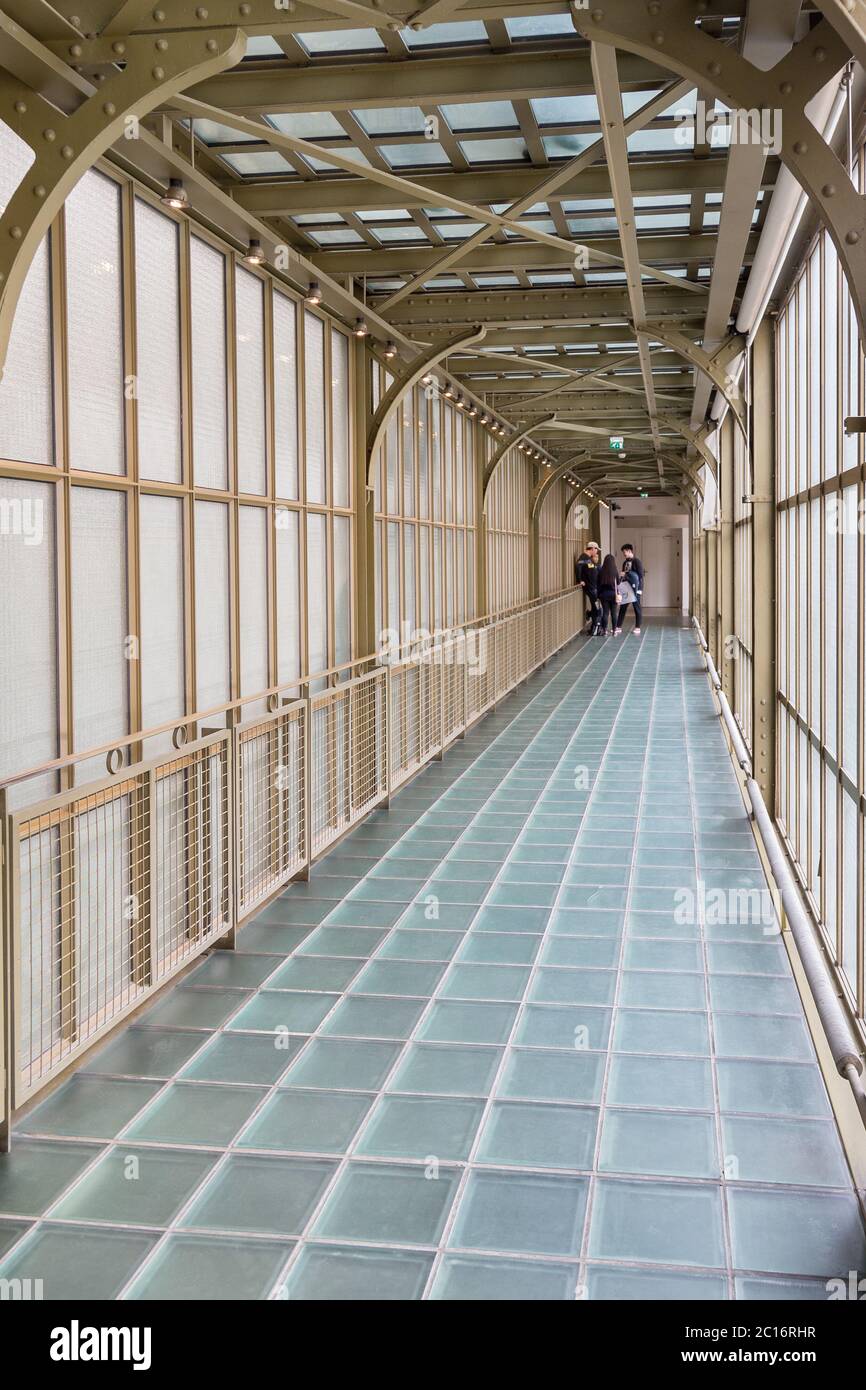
[314, 293]
[390, 350]
[175, 196]
[360, 329]
[255, 255]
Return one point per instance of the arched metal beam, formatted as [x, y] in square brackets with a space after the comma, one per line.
[495, 460]
[712, 365]
[848, 18]
[666, 33]
[697, 439]
[404, 383]
[550, 478]
[67, 144]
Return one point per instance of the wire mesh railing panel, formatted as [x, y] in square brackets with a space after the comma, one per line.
[348, 763]
[269, 773]
[109, 889]
[112, 889]
[455, 654]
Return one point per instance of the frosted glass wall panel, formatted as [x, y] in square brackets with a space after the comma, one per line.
[208, 365]
[314, 405]
[250, 315]
[162, 610]
[212, 629]
[285, 397]
[100, 630]
[157, 327]
[94, 289]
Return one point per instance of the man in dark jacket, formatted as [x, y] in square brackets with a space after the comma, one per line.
[632, 572]
[586, 577]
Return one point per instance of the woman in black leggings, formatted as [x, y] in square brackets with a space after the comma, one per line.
[608, 577]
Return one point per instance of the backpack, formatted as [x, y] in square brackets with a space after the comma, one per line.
[625, 593]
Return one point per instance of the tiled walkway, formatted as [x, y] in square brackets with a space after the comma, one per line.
[491, 1050]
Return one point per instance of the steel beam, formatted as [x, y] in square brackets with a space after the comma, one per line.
[404, 383]
[66, 145]
[674, 39]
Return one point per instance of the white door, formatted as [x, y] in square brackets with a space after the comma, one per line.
[662, 563]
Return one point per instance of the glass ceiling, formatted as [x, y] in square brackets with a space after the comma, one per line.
[487, 150]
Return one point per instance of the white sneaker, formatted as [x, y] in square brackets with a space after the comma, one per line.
[637, 632]
[617, 632]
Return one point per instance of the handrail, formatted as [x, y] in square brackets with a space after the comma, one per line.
[272, 693]
[847, 1055]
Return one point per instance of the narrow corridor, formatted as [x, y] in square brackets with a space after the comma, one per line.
[504, 1044]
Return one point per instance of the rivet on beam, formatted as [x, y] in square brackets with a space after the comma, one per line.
[118, 46]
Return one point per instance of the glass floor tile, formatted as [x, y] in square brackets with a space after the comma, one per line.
[502, 1045]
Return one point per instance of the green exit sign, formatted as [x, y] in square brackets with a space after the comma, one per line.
[617, 441]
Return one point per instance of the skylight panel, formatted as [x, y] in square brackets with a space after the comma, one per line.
[341, 41]
[263, 46]
[493, 151]
[587, 225]
[307, 125]
[414, 154]
[661, 221]
[576, 110]
[471, 31]
[496, 281]
[340, 236]
[322, 164]
[215, 133]
[391, 120]
[673, 140]
[481, 115]
[259, 162]
[565, 146]
[409, 232]
[539, 26]
[459, 231]
[383, 214]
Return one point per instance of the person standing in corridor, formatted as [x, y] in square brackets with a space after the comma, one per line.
[586, 577]
[632, 574]
[608, 577]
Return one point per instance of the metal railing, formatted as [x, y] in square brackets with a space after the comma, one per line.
[111, 887]
[841, 1039]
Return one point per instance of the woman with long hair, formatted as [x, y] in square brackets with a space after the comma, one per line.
[608, 578]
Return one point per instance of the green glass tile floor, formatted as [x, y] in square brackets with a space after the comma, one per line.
[525, 1035]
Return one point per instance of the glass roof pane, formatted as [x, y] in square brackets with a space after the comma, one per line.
[550, 277]
[565, 146]
[578, 110]
[489, 280]
[423, 152]
[539, 224]
[344, 236]
[374, 286]
[471, 32]
[585, 225]
[302, 218]
[215, 133]
[677, 200]
[442, 212]
[492, 151]
[677, 137]
[341, 41]
[349, 151]
[261, 162]
[262, 46]
[661, 221]
[406, 233]
[711, 219]
[686, 106]
[444, 282]
[383, 214]
[307, 125]
[536, 26]
[391, 120]
[633, 101]
[537, 208]
[481, 115]
[458, 231]
[587, 204]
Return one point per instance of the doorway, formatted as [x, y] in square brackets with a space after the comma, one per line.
[662, 562]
